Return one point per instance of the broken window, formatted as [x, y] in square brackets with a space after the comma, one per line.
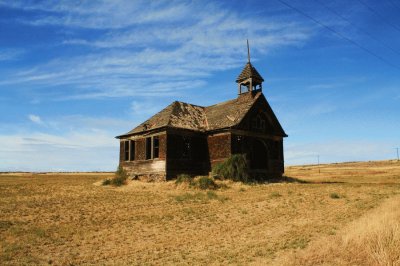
[148, 148]
[238, 144]
[126, 150]
[132, 150]
[187, 146]
[156, 147]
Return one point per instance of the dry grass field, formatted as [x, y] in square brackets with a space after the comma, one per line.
[344, 214]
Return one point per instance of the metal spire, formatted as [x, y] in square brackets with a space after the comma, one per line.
[248, 51]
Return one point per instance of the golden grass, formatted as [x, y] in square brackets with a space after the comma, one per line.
[352, 172]
[70, 219]
[373, 239]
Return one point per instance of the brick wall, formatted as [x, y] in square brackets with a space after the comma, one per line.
[219, 147]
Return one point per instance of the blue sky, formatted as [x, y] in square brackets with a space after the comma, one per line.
[74, 74]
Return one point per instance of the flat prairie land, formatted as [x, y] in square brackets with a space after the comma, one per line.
[71, 219]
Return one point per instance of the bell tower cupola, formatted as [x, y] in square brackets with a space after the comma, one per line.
[249, 78]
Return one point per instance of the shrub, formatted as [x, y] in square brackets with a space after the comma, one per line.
[334, 196]
[106, 182]
[234, 168]
[206, 182]
[120, 177]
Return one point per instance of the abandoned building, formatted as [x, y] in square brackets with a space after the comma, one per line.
[185, 138]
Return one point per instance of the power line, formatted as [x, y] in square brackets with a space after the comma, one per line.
[379, 15]
[339, 34]
[357, 28]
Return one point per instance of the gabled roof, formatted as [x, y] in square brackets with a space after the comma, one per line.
[230, 113]
[188, 116]
[177, 115]
[249, 71]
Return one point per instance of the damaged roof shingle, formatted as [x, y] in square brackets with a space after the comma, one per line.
[198, 118]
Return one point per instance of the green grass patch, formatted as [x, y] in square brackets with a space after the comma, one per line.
[184, 179]
[275, 195]
[120, 178]
[206, 182]
[334, 195]
[200, 197]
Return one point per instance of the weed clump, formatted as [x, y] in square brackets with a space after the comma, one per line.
[275, 195]
[206, 182]
[334, 195]
[234, 168]
[200, 197]
[184, 179]
[106, 182]
[202, 182]
[119, 179]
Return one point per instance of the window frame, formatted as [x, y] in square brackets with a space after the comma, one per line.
[155, 148]
[132, 150]
[126, 148]
[149, 150]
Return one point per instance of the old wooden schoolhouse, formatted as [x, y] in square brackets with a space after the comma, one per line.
[187, 138]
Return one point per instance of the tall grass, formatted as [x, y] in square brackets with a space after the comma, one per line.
[201, 182]
[234, 168]
[119, 179]
[371, 240]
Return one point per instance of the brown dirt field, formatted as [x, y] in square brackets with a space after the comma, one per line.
[65, 219]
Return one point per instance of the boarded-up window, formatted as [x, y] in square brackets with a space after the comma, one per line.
[258, 123]
[132, 150]
[156, 147]
[126, 150]
[148, 148]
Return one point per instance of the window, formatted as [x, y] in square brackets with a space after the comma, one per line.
[132, 150]
[186, 149]
[148, 148]
[238, 145]
[156, 147]
[126, 150]
[258, 123]
[152, 147]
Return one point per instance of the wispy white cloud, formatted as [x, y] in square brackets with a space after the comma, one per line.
[103, 14]
[68, 143]
[319, 109]
[75, 123]
[10, 54]
[146, 107]
[35, 119]
[198, 40]
[83, 151]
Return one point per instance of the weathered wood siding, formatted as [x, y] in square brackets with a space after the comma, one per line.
[265, 154]
[187, 153]
[163, 147]
[149, 170]
[140, 152]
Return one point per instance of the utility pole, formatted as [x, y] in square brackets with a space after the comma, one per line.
[319, 169]
[397, 149]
